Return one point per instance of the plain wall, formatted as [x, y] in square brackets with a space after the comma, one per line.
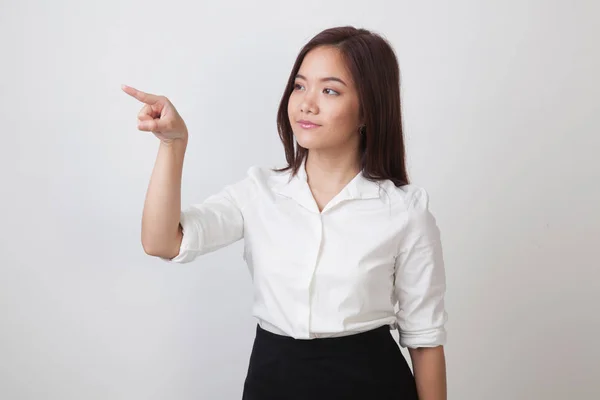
[500, 102]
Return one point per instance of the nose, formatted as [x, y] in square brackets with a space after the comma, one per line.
[308, 103]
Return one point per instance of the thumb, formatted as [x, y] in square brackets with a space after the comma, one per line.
[150, 125]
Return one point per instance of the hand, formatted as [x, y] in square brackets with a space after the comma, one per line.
[158, 115]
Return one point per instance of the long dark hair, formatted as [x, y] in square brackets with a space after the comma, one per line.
[374, 68]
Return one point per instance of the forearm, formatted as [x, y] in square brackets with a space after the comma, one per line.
[162, 207]
[429, 368]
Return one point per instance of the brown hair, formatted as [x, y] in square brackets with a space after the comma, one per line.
[374, 68]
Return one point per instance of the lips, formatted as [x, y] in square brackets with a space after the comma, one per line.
[307, 124]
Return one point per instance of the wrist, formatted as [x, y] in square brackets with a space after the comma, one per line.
[179, 141]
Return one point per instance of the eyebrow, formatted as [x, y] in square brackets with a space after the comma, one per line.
[326, 79]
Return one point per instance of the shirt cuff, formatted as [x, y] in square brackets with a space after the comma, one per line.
[429, 338]
[190, 241]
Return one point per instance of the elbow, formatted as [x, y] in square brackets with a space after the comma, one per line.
[164, 248]
[154, 250]
[150, 246]
[161, 253]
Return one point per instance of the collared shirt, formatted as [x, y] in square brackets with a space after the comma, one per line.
[371, 257]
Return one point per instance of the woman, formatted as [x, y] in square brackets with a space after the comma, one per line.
[341, 247]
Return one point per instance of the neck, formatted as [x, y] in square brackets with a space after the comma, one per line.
[328, 172]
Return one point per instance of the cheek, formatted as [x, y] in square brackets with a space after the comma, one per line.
[291, 105]
[344, 116]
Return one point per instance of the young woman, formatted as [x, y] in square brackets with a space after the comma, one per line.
[340, 246]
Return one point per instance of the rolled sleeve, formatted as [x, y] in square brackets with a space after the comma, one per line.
[210, 225]
[420, 280]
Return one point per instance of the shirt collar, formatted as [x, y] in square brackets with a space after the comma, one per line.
[297, 189]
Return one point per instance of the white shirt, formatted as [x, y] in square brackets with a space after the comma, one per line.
[372, 257]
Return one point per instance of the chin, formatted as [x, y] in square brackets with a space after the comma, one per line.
[310, 141]
[322, 141]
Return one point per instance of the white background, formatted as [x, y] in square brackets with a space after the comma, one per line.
[500, 104]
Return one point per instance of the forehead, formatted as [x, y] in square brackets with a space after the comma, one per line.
[323, 62]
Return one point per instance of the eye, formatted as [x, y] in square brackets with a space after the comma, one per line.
[333, 92]
[297, 86]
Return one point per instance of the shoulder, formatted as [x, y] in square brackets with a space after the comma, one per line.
[258, 179]
[408, 198]
[412, 211]
[264, 178]
[418, 224]
[266, 175]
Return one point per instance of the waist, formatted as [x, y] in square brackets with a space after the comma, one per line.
[330, 331]
[341, 339]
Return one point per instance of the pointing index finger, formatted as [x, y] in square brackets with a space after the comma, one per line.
[141, 96]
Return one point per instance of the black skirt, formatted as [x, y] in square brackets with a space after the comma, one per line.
[367, 365]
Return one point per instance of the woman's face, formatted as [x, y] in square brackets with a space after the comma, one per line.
[324, 97]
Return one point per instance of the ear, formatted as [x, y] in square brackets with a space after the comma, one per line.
[362, 129]
[361, 119]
